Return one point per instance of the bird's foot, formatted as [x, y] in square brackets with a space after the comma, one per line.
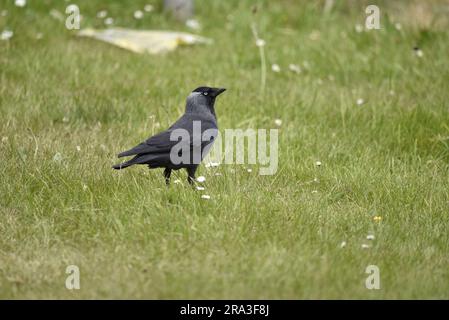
[191, 181]
[167, 173]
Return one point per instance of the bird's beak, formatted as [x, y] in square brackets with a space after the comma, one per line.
[218, 91]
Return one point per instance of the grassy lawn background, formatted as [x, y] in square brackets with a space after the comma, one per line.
[258, 236]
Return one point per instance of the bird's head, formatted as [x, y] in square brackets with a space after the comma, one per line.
[203, 96]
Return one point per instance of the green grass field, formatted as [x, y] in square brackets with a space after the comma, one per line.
[271, 237]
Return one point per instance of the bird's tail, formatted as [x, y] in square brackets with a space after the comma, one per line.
[123, 165]
[138, 159]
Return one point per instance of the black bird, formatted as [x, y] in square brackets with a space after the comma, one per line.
[167, 150]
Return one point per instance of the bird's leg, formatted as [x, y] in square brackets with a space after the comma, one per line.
[191, 174]
[167, 173]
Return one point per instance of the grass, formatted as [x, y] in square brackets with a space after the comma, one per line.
[269, 237]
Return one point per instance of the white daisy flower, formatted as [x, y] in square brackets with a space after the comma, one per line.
[278, 122]
[360, 101]
[78, 148]
[138, 14]
[20, 3]
[200, 188]
[419, 53]
[318, 163]
[343, 244]
[148, 8]
[201, 179]
[249, 170]
[6, 35]
[177, 181]
[294, 68]
[365, 246]
[370, 237]
[205, 196]
[108, 21]
[260, 42]
[102, 14]
[275, 68]
[193, 24]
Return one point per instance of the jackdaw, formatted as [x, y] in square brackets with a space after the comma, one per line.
[185, 143]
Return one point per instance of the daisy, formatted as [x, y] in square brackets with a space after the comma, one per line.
[6, 35]
[138, 14]
[418, 52]
[275, 68]
[260, 42]
[193, 24]
[148, 8]
[108, 21]
[294, 68]
[102, 14]
[20, 3]
[201, 179]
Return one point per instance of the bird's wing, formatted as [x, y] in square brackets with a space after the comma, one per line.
[161, 143]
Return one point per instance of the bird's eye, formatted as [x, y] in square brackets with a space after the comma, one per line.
[205, 93]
